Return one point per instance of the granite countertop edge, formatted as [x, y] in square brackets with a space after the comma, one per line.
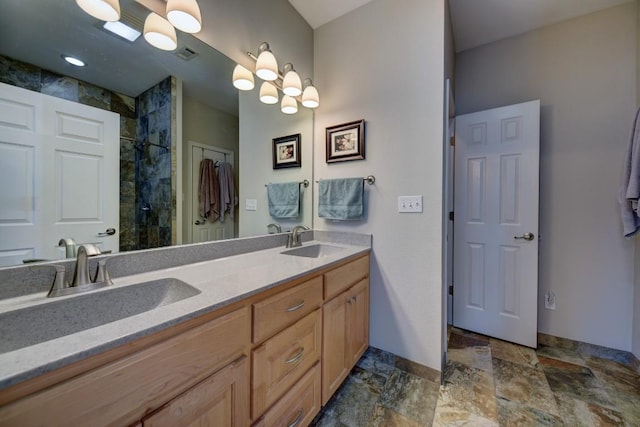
[226, 281]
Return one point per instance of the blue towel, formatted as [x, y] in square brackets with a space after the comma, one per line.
[341, 198]
[284, 199]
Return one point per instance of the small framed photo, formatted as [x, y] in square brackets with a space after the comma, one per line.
[345, 142]
[286, 152]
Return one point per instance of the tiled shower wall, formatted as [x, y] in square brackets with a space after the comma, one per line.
[146, 115]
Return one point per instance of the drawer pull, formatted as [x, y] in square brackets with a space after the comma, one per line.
[295, 307]
[297, 419]
[295, 358]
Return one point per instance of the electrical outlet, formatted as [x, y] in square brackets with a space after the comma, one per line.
[410, 204]
[550, 301]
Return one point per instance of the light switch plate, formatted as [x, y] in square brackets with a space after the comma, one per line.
[411, 204]
[250, 205]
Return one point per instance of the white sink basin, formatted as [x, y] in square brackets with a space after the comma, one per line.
[67, 315]
[314, 251]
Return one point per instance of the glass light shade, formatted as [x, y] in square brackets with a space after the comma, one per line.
[159, 32]
[242, 78]
[267, 66]
[289, 105]
[184, 15]
[310, 97]
[268, 93]
[105, 10]
[291, 85]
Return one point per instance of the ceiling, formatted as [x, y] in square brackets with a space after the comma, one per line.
[28, 33]
[475, 22]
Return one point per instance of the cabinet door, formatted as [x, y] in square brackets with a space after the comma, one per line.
[220, 400]
[358, 322]
[334, 345]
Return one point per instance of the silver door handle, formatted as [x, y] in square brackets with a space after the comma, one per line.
[107, 232]
[199, 222]
[526, 236]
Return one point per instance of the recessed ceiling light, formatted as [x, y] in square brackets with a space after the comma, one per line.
[123, 30]
[73, 61]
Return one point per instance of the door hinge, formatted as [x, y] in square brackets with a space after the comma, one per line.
[452, 141]
[450, 289]
[451, 216]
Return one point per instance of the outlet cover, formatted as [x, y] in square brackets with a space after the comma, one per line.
[411, 204]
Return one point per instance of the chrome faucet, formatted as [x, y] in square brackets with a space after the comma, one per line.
[294, 238]
[69, 247]
[275, 226]
[81, 279]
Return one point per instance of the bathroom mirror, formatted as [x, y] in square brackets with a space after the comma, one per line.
[208, 118]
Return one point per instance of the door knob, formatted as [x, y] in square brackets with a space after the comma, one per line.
[199, 222]
[108, 232]
[526, 236]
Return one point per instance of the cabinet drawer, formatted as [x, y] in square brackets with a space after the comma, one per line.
[122, 392]
[282, 360]
[298, 406]
[274, 313]
[339, 279]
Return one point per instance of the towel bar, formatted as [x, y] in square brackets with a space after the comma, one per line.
[370, 179]
[304, 183]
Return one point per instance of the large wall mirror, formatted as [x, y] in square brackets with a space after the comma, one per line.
[175, 109]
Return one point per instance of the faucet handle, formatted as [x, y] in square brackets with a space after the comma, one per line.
[59, 282]
[102, 275]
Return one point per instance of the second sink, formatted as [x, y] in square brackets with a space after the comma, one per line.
[60, 317]
[314, 251]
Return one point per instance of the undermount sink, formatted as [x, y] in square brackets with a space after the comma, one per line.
[314, 251]
[60, 317]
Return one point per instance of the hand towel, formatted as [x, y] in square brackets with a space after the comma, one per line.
[284, 199]
[630, 189]
[228, 198]
[209, 191]
[341, 199]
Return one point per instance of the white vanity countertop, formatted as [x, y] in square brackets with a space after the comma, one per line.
[220, 282]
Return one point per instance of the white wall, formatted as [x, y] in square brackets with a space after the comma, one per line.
[259, 124]
[206, 125]
[384, 62]
[583, 71]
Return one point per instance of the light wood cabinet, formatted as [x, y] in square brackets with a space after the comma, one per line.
[220, 400]
[345, 335]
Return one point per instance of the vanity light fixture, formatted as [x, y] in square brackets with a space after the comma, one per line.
[105, 10]
[310, 97]
[266, 65]
[159, 32]
[268, 93]
[184, 15]
[242, 78]
[74, 61]
[291, 84]
[288, 105]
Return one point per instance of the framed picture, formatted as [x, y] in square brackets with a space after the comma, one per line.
[345, 142]
[286, 152]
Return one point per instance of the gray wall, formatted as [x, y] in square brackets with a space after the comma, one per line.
[384, 62]
[583, 71]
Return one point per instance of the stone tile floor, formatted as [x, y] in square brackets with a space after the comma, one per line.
[488, 382]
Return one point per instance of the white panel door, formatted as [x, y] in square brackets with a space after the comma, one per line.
[496, 222]
[203, 230]
[20, 176]
[82, 161]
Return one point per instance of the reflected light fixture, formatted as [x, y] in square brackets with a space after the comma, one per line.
[268, 93]
[73, 61]
[291, 84]
[184, 15]
[289, 105]
[159, 32]
[266, 65]
[105, 10]
[242, 78]
[310, 97]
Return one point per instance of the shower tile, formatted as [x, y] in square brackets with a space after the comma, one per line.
[20, 74]
[123, 105]
[60, 86]
[94, 96]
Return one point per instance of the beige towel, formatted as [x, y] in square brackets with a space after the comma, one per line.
[209, 191]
